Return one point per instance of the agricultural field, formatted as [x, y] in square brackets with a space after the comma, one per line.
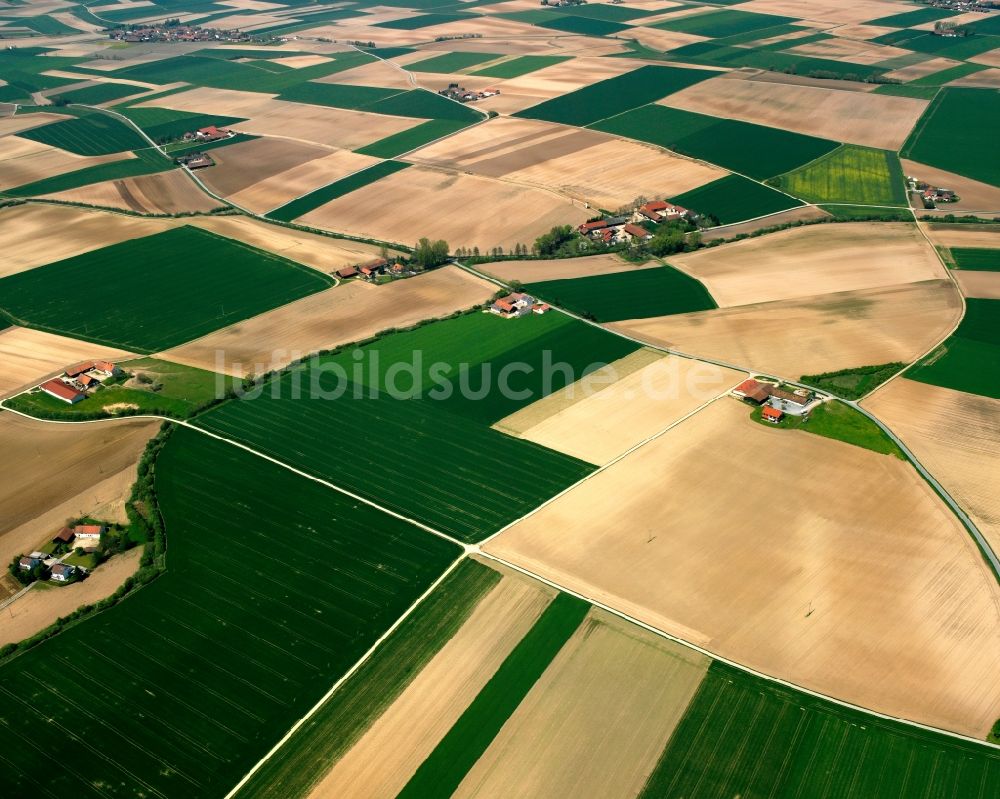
[627, 295]
[181, 291]
[645, 535]
[950, 133]
[812, 260]
[968, 359]
[302, 639]
[395, 540]
[848, 175]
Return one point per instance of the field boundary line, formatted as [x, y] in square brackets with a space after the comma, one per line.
[741, 667]
[345, 677]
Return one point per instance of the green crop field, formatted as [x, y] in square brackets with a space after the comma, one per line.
[451, 62]
[724, 22]
[421, 21]
[849, 174]
[955, 134]
[407, 140]
[100, 93]
[460, 748]
[587, 26]
[754, 150]
[275, 586]
[336, 95]
[523, 65]
[748, 737]
[907, 90]
[735, 199]
[424, 104]
[161, 387]
[909, 19]
[425, 412]
[627, 295]
[349, 713]
[332, 191]
[164, 124]
[615, 95]
[44, 24]
[163, 290]
[146, 162]
[608, 12]
[976, 258]
[92, 134]
[970, 359]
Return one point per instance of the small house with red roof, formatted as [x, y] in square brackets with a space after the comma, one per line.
[64, 536]
[88, 531]
[632, 232]
[772, 415]
[213, 133]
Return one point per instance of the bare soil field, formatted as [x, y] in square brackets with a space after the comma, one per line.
[658, 39]
[839, 570]
[375, 73]
[850, 50]
[464, 210]
[561, 268]
[987, 79]
[24, 161]
[276, 190]
[300, 61]
[818, 259]
[845, 11]
[32, 235]
[42, 605]
[787, 79]
[805, 212]
[28, 356]
[48, 465]
[956, 436]
[320, 252]
[586, 165]
[16, 124]
[240, 166]
[923, 69]
[607, 423]
[596, 721]
[985, 285]
[568, 76]
[269, 117]
[876, 120]
[163, 193]
[861, 31]
[351, 312]
[815, 334]
[386, 756]
[990, 58]
[962, 235]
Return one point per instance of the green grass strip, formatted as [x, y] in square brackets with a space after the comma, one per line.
[343, 719]
[517, 67]
[445, 768]
[947, 75]
[305, 204]
[407, 140]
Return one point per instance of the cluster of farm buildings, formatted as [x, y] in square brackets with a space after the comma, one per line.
[78, 381]
[205, 135]
[510, 306]
[626, 229]
[373, 270]
[86, 537]
[931, 195]
[463, 95]
[776, 401]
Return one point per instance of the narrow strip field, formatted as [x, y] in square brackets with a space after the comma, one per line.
[214, 660]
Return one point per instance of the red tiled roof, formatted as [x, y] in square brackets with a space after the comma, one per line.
[60, 389]
[754, 389]
[587, 227]
[635, 230]
[771, 413]
[88, 528]
[347, 271]
[655, 205]
[64, 535]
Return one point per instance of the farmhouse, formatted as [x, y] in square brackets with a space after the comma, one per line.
[346, 272]
[753, 391]
[513, 305]
[211, 133]
[660, 211]
[62, 391]
[100, 370]
[195, 160]
[772, 415]
[63, 572]
[796, 403]
[587, 228]
[630, 232]
[64, 536]
[90, 532]
[29, 562]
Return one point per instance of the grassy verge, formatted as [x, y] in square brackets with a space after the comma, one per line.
[445, 768]
[840, 422]
[344, 718]
[853, 384]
